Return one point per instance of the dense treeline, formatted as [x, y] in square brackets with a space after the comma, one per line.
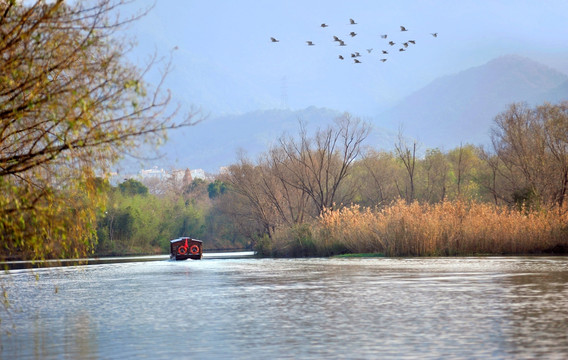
[284, 201]
[323, 194]
[139, 220]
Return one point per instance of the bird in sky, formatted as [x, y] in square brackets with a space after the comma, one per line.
[355, 55]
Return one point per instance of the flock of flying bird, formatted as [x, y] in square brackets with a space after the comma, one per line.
[355, 55]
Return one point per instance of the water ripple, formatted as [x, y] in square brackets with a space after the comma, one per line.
[291, 309]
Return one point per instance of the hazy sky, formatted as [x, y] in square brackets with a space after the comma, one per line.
[226, 63]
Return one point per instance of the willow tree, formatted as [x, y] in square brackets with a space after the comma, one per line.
[70, 105]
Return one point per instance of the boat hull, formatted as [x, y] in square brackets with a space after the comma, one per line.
[186, 248]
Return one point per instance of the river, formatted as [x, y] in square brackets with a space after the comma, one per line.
[369, 308]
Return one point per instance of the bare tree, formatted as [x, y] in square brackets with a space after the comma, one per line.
[317, 166]
[436, 169]
[407, 155]
[294, 180]
[254, 207]
[493, 181]
[381, 170]
[532, 146]
[463, 161]
[291, 203]
[555, 124]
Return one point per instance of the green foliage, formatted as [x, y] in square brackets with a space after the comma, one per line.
[263, 246]
[195, 185]
[300, 242]
[216, 188]
[132, 187]
[144, 224]
[140, 222]
[40, 226]
[525, 198]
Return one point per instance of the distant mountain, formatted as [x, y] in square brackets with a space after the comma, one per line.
[217, 141]
[556, 95]
[460, 108]
[454, 109]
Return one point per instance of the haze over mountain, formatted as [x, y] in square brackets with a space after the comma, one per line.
[445, 90]
[460, 108]
[219, 141]
[453, 109]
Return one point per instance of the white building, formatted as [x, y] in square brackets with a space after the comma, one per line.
[152, 173]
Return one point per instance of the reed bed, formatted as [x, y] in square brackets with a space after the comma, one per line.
[415, 229]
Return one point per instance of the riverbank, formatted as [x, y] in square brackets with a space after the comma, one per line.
[456, 228]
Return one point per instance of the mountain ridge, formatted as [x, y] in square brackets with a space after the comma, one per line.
[460, 108]
[451, 110]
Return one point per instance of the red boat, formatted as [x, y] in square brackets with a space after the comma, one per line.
[186, 248]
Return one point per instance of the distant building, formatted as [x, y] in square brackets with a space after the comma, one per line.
[187, 177]
[183, 177]
[175, 175]
[198, 174]
[153, 173]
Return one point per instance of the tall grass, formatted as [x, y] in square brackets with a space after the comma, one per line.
[415, 229]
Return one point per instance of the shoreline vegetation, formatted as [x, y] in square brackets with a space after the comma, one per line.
[452, 228]
[63, 135]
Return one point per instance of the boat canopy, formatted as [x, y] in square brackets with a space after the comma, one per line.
[183, 238]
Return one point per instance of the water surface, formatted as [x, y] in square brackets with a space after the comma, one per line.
[511, 307]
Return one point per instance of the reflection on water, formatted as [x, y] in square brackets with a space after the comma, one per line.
[302, 308]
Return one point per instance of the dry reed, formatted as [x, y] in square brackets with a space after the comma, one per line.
[447, 228]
